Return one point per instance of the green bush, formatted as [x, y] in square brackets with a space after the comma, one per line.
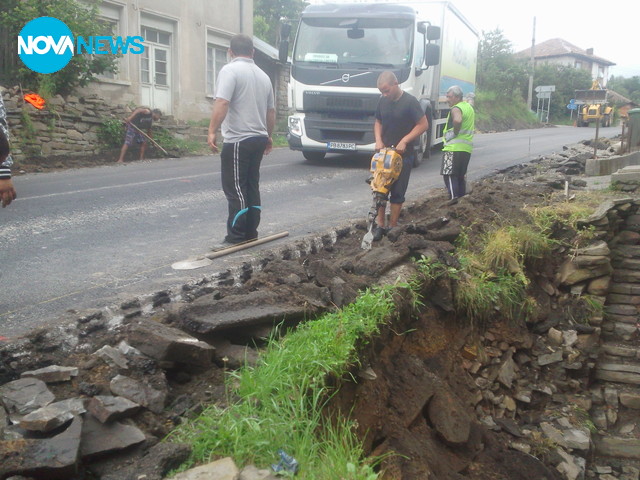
[111, 133]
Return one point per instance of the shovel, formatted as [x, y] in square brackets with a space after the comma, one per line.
[367, 239]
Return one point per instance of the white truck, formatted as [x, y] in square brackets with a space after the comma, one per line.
[341, 48]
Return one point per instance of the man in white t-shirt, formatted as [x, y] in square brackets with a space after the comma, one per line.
[244, 109]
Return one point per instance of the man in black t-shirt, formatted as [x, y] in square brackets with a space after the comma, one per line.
[400, 120]
[142, 118]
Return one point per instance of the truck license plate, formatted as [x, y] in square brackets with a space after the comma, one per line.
[341, 146]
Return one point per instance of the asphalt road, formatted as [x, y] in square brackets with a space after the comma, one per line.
[94, 237]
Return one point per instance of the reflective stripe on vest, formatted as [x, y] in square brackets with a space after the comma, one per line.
[463, 142]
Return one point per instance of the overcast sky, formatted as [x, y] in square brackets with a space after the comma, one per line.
[572, 20]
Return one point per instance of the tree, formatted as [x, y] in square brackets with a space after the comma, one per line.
[82, 19]
[628, 87]
[267, 15]
[566, 79]
[498, 70]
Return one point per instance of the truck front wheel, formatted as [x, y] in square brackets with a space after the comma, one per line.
[313, 156]
[424, 142]
[424, 148]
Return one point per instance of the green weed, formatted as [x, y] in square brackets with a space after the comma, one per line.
[280, 140]
[283, 397]
[177, 146]
[485, 295]
[595, 305]
[541, 445]
[111, 133]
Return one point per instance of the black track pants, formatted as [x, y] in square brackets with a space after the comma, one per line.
[240, 183]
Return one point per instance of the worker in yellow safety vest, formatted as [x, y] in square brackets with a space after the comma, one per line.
[458, 143]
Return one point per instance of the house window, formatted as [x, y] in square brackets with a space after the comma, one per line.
[154, 61]
[161, 67]
[578, 64]
[110, 29]
[110, 21]
[216, 59]
[145, 74]
[156, 36]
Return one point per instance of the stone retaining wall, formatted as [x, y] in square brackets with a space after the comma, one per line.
[616, 392]
[68, 126]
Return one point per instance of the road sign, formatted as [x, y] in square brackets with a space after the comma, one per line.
[572, 101]
[543, 95]
[572, 106]
[545, 88]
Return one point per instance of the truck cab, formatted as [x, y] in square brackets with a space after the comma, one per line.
[339, 52]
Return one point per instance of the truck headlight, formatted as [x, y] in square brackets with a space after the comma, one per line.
[295, 126]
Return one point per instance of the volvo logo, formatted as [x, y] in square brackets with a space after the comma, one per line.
[345, 77]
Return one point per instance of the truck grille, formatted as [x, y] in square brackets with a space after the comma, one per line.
[340, 102]
[325, 128]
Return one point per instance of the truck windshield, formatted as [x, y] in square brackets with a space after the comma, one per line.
[344, 41]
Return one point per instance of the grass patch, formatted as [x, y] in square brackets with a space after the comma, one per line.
[491, 279]
[494, 111]
[279, 140]
[203, 122]
[483, 295]
[550, 219]
[177, 146]
[511, 248]
[282, 398]
[546, 218]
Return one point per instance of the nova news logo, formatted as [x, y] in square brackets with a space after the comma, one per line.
[46, 45]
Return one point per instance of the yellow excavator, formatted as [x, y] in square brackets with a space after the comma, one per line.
[593, 106]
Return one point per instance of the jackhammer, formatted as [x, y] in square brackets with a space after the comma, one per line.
[386, 166]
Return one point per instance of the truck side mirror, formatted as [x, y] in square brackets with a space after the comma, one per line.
[433, 32]
[283, 48]
[285, 31]
[283, 51]
[431, 54]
